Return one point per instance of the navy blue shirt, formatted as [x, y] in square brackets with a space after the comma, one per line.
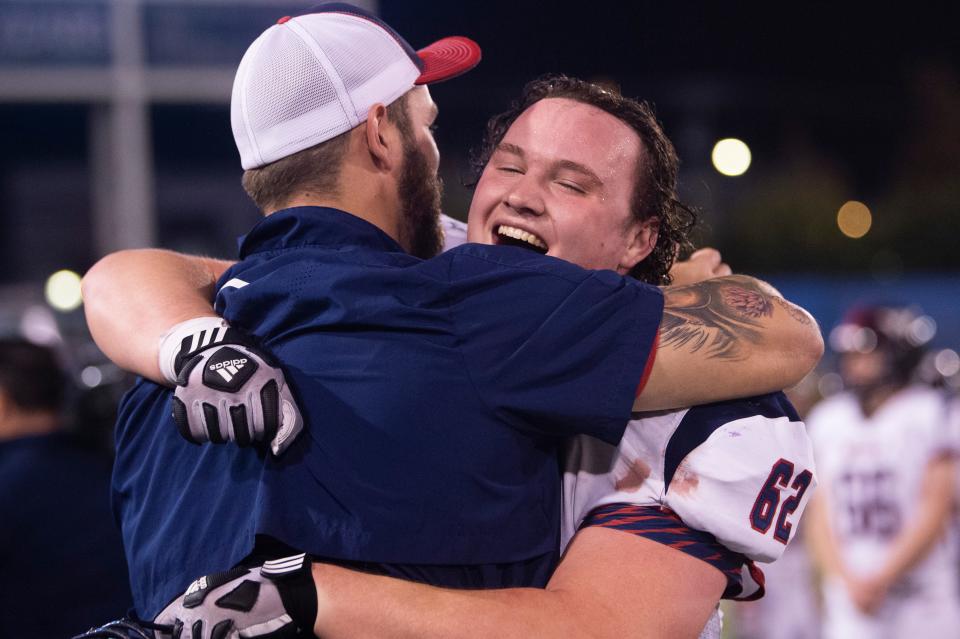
[435, 393]
[60, 550]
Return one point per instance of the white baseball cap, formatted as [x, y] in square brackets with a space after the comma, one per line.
[310, 78]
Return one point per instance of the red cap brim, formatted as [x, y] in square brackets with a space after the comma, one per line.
[448, 58]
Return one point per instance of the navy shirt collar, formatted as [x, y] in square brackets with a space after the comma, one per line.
[314, 226]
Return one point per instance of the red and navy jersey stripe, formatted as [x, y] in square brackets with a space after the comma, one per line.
[663, 526]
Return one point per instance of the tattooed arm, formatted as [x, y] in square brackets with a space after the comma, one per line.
[728, 337]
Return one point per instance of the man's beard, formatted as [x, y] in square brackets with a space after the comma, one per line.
[419, 191]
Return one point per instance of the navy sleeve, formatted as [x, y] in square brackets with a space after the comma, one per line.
[551, 347]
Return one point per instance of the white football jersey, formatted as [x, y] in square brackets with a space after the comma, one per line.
[454, 232]
[874, 469]
[740, 470]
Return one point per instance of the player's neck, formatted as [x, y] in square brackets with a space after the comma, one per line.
[374, 201]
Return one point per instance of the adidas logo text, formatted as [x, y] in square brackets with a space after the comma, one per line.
[229, 368]
[235, 363]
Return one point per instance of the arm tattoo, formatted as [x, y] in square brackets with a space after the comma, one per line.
[716, 315]
[793, 310]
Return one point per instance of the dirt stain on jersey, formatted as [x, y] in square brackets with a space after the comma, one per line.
[637, 473]
[684, 481]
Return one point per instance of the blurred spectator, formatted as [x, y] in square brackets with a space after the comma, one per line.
[885, 460]
[62, 562]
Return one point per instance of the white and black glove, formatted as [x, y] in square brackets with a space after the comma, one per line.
[228, 390]
[273, 601]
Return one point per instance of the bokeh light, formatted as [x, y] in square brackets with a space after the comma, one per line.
[854, 219]
[91, 376]
[947, 362]
[830, 384]
[731, 157]
[39, 326]
[921, 330]
[63, 291]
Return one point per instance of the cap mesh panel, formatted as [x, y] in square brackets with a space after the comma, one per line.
[360, 66]
[289, 94]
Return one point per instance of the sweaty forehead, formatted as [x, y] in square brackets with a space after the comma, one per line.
[565, 129]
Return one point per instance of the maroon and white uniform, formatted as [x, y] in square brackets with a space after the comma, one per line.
[872, 470]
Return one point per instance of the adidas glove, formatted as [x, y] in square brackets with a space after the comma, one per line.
[276, 600]
[228, 390]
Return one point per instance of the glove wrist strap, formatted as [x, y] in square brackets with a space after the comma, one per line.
[172, 341]
[294, 580]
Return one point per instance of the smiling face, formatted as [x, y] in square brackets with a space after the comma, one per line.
[561, 182]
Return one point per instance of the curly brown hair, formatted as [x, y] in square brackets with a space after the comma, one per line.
[655, 194]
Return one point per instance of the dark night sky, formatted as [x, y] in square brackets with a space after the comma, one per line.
[842, 71]
[842, 41]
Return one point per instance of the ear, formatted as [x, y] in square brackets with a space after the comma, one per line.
[381, 138]
[642, 240]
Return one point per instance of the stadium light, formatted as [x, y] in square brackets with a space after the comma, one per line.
[731, 157]
[63, 291]
[854, 219]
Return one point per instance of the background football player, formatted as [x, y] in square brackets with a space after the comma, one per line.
[885, 456]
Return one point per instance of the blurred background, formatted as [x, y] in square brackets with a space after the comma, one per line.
[820, 140]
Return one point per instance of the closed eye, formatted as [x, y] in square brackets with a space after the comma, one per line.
[509, 169]
[576, 188]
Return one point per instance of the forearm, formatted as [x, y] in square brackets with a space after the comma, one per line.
[610, 584]
[728, 337]
[131, 298]
[928, 525]
[354, 605]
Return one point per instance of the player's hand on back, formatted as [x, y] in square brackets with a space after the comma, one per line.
[276, 600]
[228, 390]
[703, 264]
